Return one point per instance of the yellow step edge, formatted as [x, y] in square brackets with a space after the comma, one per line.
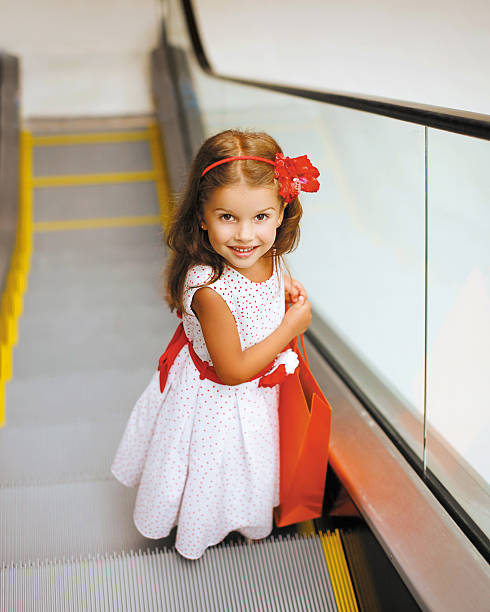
[12, 297]
[5, 365]
[344, 574]
[90, 138]
[332, 570]
[306, 528]
[74, 224]
[339, 572]
[93, 179]
[160, 168]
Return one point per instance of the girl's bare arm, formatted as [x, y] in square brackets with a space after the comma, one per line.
[233, 365]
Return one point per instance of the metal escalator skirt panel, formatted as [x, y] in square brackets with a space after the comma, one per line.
[283, 573]
[359, 565]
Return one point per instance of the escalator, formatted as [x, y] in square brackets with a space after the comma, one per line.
[94, 198]
[91, 315]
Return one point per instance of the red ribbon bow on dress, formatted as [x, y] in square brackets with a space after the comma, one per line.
[206, 370]
[295, 174]
[274, 378]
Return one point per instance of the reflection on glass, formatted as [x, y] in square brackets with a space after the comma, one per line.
[458, 359]
[362, 252]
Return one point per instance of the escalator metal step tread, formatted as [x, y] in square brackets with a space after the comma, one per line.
[339, 571]
[279, 573]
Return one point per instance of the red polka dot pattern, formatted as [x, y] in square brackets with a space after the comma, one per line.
[205, 457]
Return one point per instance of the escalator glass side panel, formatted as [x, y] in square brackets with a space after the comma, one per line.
[458, 352]
[362, 254]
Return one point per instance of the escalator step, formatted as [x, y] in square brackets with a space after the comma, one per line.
[361, 569]
[278, 573]
[339, 571]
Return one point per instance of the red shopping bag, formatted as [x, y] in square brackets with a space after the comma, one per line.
[304, 433]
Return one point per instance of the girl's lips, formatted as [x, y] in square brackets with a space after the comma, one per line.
[241, 252]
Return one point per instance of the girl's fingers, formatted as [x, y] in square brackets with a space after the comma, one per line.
[299, 303]
[300, 290]
[293, 290]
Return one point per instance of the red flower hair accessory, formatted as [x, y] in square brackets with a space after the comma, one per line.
[295, 174]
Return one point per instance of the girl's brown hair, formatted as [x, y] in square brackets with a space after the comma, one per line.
[188, 243]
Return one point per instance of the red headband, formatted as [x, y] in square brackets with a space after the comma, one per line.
[295, 174]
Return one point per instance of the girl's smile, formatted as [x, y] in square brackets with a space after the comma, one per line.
[241, 222]
[243, 252]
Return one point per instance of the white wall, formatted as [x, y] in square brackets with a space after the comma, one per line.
[82, 58]
[91, 57]
[427, 51]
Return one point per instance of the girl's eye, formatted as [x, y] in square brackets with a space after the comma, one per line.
[227, 217]
[261, 216]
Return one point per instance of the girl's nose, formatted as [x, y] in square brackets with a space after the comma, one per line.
[244, 231]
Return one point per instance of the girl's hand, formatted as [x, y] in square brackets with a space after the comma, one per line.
[293, 290]
[298, 316]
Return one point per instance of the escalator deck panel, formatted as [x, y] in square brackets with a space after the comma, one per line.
[279, 573]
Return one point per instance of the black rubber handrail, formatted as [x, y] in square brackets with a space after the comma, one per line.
[450, 120]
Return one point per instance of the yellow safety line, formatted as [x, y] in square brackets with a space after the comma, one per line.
[306, 528]
[74, 224]
[12, 297]
[332, 571]
[348, 587]
[93, 179]
[90, 138]
[343, 570]
[160, 168]
[339, 572]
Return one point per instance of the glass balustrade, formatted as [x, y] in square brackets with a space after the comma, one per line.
[458, 330]
[362, 259]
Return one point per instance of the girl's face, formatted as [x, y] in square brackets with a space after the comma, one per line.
[241, 222]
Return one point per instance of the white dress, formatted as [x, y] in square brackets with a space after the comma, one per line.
[206, 455]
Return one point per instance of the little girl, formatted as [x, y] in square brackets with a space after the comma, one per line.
[202, 440]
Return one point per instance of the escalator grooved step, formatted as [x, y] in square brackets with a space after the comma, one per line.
[263, 575]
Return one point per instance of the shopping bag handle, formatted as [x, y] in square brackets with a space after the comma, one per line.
[295, 343]
[305, 356]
